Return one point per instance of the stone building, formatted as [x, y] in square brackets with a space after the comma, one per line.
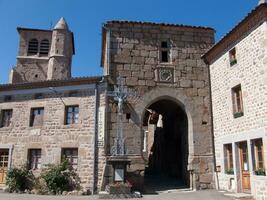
[238, 75]
[163, 63]
[47, 114]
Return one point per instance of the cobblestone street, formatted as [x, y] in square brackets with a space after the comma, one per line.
[180, 195]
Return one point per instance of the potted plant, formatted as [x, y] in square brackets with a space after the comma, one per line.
[260, 172]
[229, 171]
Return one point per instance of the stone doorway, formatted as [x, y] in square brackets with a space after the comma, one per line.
[166, 146]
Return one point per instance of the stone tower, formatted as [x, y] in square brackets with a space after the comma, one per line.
[162, 62]
[43, 54]
[61, 51]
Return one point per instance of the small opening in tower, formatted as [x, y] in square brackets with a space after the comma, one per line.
[36, 75]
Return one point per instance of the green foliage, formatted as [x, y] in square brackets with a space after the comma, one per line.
[238, 114]
[229, 171]
[19, 179]
[233, 62]
[59, 178]
[260, 172]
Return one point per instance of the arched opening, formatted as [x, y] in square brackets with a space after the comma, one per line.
[33, 47]
[44, 47]
[166, 145]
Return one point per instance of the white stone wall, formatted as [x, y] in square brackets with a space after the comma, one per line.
[251, 72]
[54, 135]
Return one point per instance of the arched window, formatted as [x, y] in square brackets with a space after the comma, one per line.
[44, 47]
[33, 47]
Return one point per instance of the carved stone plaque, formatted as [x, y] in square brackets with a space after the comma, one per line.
[165, 75]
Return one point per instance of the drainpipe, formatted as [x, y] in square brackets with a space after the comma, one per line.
[95, 139]
[217, 185]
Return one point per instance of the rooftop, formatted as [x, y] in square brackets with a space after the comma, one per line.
[254, 18]
[156, 24]
[51, 83]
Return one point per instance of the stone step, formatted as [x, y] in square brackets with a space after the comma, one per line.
[240, 196]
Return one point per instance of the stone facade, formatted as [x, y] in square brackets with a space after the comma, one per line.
[54, 135]
[132, 51]
[251, 72]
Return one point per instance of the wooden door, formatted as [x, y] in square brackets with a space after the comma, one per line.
[244, 162]
[3, 164]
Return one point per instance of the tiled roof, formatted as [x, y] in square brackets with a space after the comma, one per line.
[256, 16]
[156, 24]
[52, 83]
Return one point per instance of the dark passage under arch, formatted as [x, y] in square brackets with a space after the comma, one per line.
[167, 157]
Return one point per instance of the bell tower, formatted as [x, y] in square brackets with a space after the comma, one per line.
[62, 49]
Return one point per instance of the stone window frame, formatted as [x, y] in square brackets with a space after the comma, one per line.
[73, 115]
[168, 49]
[228, 158]
[33, 109]
[72, 158]
[2, 118]
[257, 164]
[34, 158]
[237, 101]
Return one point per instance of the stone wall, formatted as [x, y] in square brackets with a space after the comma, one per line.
[134, 53]
[250, 71]
[54, 135]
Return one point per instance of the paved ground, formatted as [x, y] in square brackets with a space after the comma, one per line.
[176, 195]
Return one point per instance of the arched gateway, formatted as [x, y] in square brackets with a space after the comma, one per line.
[165, 151]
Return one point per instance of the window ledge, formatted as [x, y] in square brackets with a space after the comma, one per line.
[165, 63]
[71, 125]
[33, 57]
[238, 114]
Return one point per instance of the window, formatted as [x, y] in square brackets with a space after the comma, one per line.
[71, 154]
[232, 57]
[165, 52]
[228, 159]
[37, 115]
[44, 47]
[237, 101]
[34, 156]
[258, 161]
[72, 114]
[6, 118]
[33, 47]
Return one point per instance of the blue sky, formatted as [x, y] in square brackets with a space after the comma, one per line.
[85, 18]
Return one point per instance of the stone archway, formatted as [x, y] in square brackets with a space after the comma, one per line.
[178, 98]
[166, 145]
